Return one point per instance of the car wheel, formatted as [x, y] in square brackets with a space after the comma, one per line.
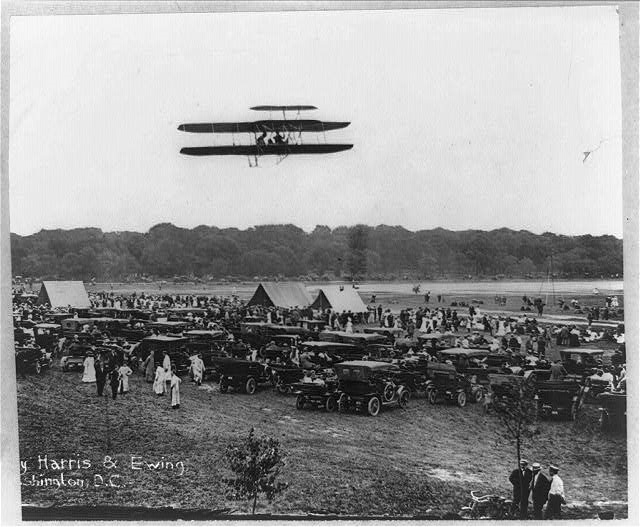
[250, 387]
[479, 395]
[224, 386]
[373, 407]
[300, 402]
[282, 388]
[331, 404]
[388, 392]
[404, 399]
[462, 399]
[432, 396]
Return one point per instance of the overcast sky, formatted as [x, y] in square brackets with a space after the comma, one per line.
[461, 119]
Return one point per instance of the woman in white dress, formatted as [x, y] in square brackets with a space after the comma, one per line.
[158, 383]
[175, 390]
[89, 374]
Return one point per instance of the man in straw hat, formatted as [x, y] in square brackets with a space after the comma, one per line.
[539, 490]
[556, 495]
[520, 478]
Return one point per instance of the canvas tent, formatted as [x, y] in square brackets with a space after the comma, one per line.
[339, 299]
[281, 294]
[63, 294]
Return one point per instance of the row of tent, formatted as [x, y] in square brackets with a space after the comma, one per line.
[286, 295]
[295, 294]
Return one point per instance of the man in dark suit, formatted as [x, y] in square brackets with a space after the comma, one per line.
[539, 490]
[520, 478]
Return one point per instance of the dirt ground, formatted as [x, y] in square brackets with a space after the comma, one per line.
[422, 460]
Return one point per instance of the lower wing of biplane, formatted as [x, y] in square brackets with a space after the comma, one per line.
[263, 150]
[279, 137]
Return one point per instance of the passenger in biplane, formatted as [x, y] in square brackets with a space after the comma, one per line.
[261, 139]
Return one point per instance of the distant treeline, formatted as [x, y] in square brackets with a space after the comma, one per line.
[268, 251]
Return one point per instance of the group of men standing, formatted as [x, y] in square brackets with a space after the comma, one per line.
[542, 489]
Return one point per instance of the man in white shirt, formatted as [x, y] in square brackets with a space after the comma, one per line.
[556, 495]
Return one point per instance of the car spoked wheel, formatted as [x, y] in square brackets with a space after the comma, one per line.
[462, 399]
[331, 405]
[224, 386]
[403, 401]
[300, 402]
[479, 395]
[373, 407]
[388, 392]
[250, 387]
[432, 396]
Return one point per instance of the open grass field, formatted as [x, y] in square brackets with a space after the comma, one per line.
[422, 460]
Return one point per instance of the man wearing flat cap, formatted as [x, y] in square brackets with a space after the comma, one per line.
[539, 490]
[520, 478]
[556, 495]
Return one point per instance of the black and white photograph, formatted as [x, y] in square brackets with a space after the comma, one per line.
[320, 261]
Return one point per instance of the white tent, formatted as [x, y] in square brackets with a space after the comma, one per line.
[339, 298]
[64, 294]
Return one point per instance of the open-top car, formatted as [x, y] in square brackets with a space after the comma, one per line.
[324, 354]
[32, 359]
[281, 347]
[283, 376]
[46, 335]
[319, 395]
[369, 385]
[73, 359]
[242, 375]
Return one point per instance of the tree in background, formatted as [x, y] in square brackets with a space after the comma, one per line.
[358, 238]
[256, 463]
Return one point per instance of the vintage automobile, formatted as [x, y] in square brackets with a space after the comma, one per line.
[284, 376]
[446, 383]
[46, 335]
[176, 347]
[613, 411]
[581, 361]
[562, 398]
[391, 334]
[333, 351]
[369, 385]
[323, 395]
[436, 341]
[242, 375]
[280, 346]
[169, 327]
[205, 341]
[180, 314]
[73, 358]
[258, 334]
[362, 340]
[463, 358]
[32, 359]
[76, 325]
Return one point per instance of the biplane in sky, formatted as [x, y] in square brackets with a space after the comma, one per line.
[279, 137]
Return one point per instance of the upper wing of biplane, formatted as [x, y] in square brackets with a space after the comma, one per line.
[300, 125]
[268, 108]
